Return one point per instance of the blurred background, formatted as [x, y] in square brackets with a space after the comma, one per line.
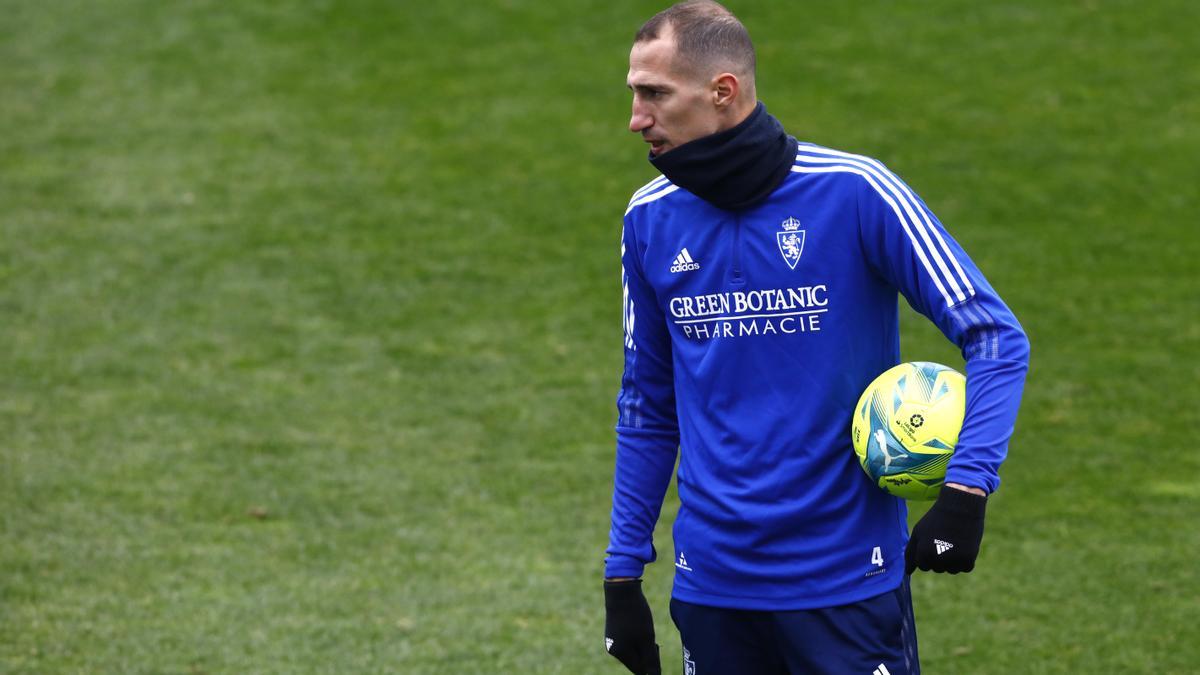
[310, 322]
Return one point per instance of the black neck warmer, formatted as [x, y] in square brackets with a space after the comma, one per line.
[736, 168]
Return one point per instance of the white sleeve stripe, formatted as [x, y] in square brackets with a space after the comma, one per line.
[841, 168]
[629, 319]
[651, 197]
[910, 207]
[649, 187]
[925, 217]
[630, 398]
[626, 303]
[895, 180]
[908, 192]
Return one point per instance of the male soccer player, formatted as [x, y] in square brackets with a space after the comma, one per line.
[760, 279]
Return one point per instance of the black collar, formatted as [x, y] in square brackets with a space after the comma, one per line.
[736, 168]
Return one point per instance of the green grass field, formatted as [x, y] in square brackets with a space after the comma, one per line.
[310, 322]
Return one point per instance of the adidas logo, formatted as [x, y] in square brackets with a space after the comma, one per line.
[608, 643]
[684, 263]
[942, 546]
[881, 670]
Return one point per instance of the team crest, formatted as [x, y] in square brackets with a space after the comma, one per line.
[791, 241]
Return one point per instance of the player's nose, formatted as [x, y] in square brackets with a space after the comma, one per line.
[640, 120]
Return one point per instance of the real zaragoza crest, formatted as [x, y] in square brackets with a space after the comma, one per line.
[791, 241]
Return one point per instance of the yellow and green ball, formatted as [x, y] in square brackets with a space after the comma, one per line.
[906, 425]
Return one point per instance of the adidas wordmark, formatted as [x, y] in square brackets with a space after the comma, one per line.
[684, 263]
[942, 546]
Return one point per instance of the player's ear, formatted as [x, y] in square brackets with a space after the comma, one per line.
[725, 89]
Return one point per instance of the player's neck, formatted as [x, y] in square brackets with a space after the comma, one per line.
[735, 168]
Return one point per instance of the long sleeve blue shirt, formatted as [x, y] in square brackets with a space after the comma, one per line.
[749, 335]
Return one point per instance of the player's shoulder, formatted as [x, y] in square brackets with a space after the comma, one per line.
[650, 192]
[840, 166]
[859, 175]
[814, 156]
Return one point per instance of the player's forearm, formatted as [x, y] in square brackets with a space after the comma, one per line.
[643, 472]
[994, 389]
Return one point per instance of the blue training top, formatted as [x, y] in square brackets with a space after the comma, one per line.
[749, 336]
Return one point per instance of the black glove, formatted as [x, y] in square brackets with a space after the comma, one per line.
[629, 627]
[946, 538]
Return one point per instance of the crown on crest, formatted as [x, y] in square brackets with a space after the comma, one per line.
[791, 224]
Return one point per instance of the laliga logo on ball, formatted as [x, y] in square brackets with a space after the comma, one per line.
[906, 425]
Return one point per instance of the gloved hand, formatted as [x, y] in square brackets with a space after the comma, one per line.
[629, 627]
[947, 537]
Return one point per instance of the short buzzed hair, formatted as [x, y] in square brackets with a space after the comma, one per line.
[706, 34]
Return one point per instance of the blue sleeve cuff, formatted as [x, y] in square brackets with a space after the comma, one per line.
[623, 566]
[987, 483]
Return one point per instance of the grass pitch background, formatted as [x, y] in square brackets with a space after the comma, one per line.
[309, 317]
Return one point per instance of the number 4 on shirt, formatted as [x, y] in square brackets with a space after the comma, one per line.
[877, 557]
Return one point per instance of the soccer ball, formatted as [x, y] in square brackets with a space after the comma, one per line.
[906, 425]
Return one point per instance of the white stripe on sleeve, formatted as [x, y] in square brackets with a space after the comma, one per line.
[923, 224]
[652, 196]
[868, 176]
